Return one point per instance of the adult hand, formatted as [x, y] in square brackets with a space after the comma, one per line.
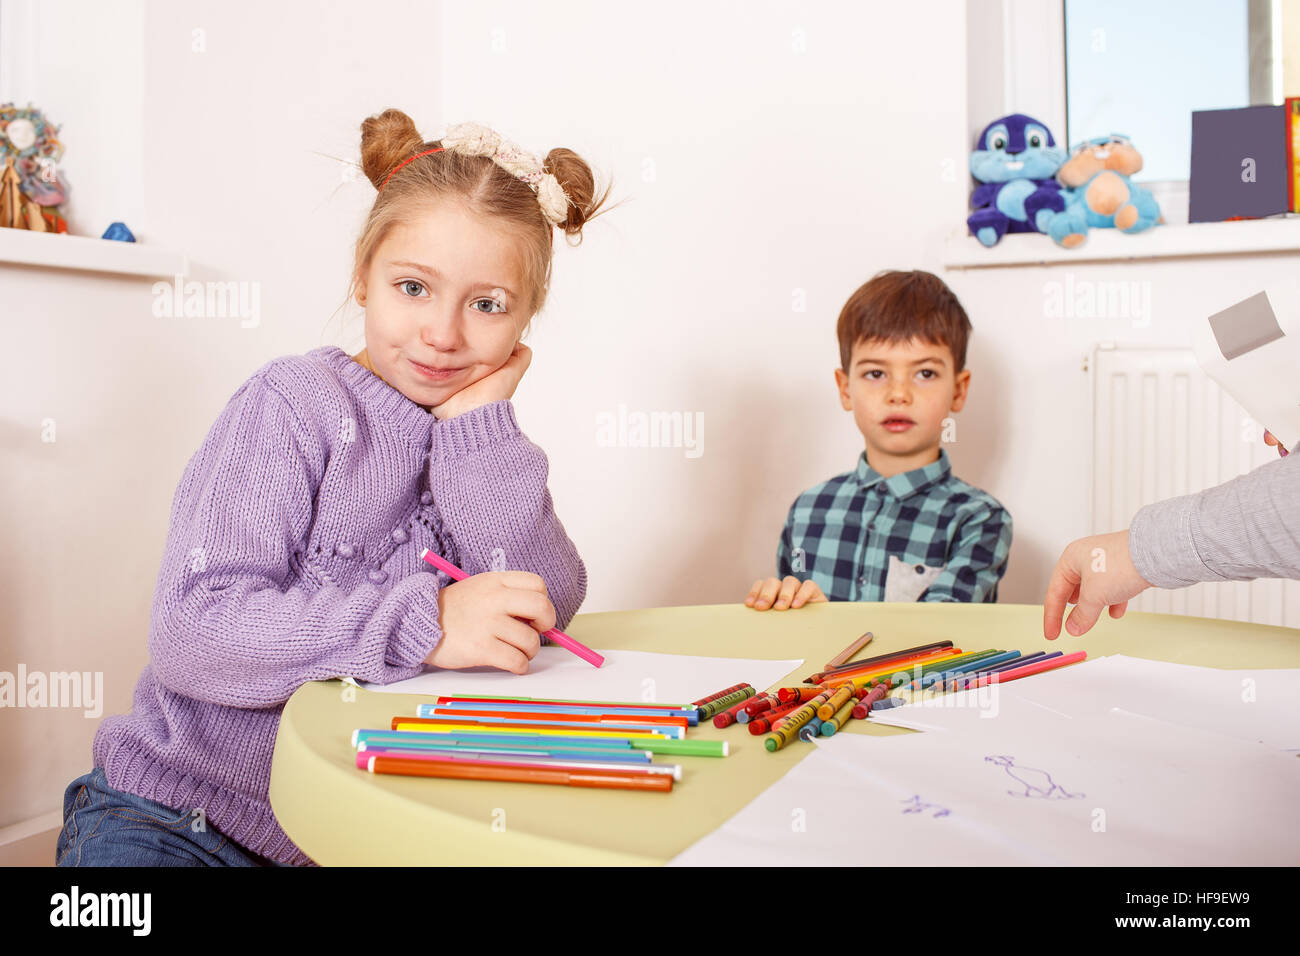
[494, 387]
[1092, 573]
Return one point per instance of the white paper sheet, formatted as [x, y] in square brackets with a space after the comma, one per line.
[1261, 706]
[1114, 789]
[634, 676]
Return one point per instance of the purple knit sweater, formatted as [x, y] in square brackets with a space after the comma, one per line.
[293, 555]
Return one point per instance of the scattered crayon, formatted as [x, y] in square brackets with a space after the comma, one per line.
[707, 711]
[798, 695]
[838, 719]
[842, 694]
[728, 716]
[722, 693]
[810, 730]
[765, 722]
[863, 705]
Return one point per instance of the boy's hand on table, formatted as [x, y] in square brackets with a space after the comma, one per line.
[1092, 573]
[779, 595]
[1270, 439]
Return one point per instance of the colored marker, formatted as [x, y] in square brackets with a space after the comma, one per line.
[555, 636]
[624, 755]
[494, 760]
[602, 758]
[470, 771]
[654, 743]
[430, 710]
[672, 710]
[536, 726]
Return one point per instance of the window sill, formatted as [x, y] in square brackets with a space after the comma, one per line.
[86, 254]
[1245, 237]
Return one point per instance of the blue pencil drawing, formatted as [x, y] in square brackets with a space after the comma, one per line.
[917, 806]
[1036, 783]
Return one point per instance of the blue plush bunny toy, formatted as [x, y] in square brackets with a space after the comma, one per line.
[1015, 162]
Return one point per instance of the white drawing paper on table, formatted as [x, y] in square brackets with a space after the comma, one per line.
[1261, 705]
[1117, 790]
[632, 676]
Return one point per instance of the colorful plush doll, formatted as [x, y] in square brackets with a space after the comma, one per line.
[1099, 193]
[1014, 161]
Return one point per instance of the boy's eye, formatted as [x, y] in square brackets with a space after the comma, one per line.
[410, 282]
[872, 373]
[929, 373]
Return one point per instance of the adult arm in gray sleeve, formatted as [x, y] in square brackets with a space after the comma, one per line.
[1243, 529]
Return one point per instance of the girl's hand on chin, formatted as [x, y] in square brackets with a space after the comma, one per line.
[494, 387]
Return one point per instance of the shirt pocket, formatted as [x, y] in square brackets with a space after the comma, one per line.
[907, 581]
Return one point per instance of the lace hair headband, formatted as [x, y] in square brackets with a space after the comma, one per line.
[472, 139]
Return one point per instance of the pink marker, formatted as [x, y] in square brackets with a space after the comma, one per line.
[556, 636]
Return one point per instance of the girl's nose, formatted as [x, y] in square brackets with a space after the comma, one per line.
[443, 332]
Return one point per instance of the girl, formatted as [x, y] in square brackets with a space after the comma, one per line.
[293, 552]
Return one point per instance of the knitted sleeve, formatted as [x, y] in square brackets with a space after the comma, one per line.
[230, 624]
[489, 486]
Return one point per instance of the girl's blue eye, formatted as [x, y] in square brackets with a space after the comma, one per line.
[500, 306]
[408, 282]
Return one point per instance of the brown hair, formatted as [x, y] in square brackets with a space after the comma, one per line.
[900, 306]
[479, 184]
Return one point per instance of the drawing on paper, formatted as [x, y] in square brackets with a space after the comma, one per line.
[1036, 783]
[918, 806]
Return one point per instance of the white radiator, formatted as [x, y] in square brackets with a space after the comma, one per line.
[1163, 428]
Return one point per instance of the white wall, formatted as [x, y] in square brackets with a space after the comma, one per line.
[794, 147]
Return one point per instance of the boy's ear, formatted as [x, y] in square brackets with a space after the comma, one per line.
[842, 384]
[960, 388]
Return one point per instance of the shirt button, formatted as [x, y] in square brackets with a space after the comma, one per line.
[400, 535]
[344, 550]
[862, 580]
[377, 576]
[426, 497]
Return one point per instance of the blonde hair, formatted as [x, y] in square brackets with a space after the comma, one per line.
[476, 182]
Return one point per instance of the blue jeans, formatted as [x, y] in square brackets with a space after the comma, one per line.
[107, 827]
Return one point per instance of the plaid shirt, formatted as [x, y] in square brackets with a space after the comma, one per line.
[918, 535]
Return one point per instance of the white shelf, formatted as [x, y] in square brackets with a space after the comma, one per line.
[62, 251]
[1245, 237]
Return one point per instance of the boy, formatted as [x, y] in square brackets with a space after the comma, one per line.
[900, 526]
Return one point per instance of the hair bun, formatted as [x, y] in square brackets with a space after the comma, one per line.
[386, 140]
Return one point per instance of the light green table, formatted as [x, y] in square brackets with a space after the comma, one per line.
[340, 815]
